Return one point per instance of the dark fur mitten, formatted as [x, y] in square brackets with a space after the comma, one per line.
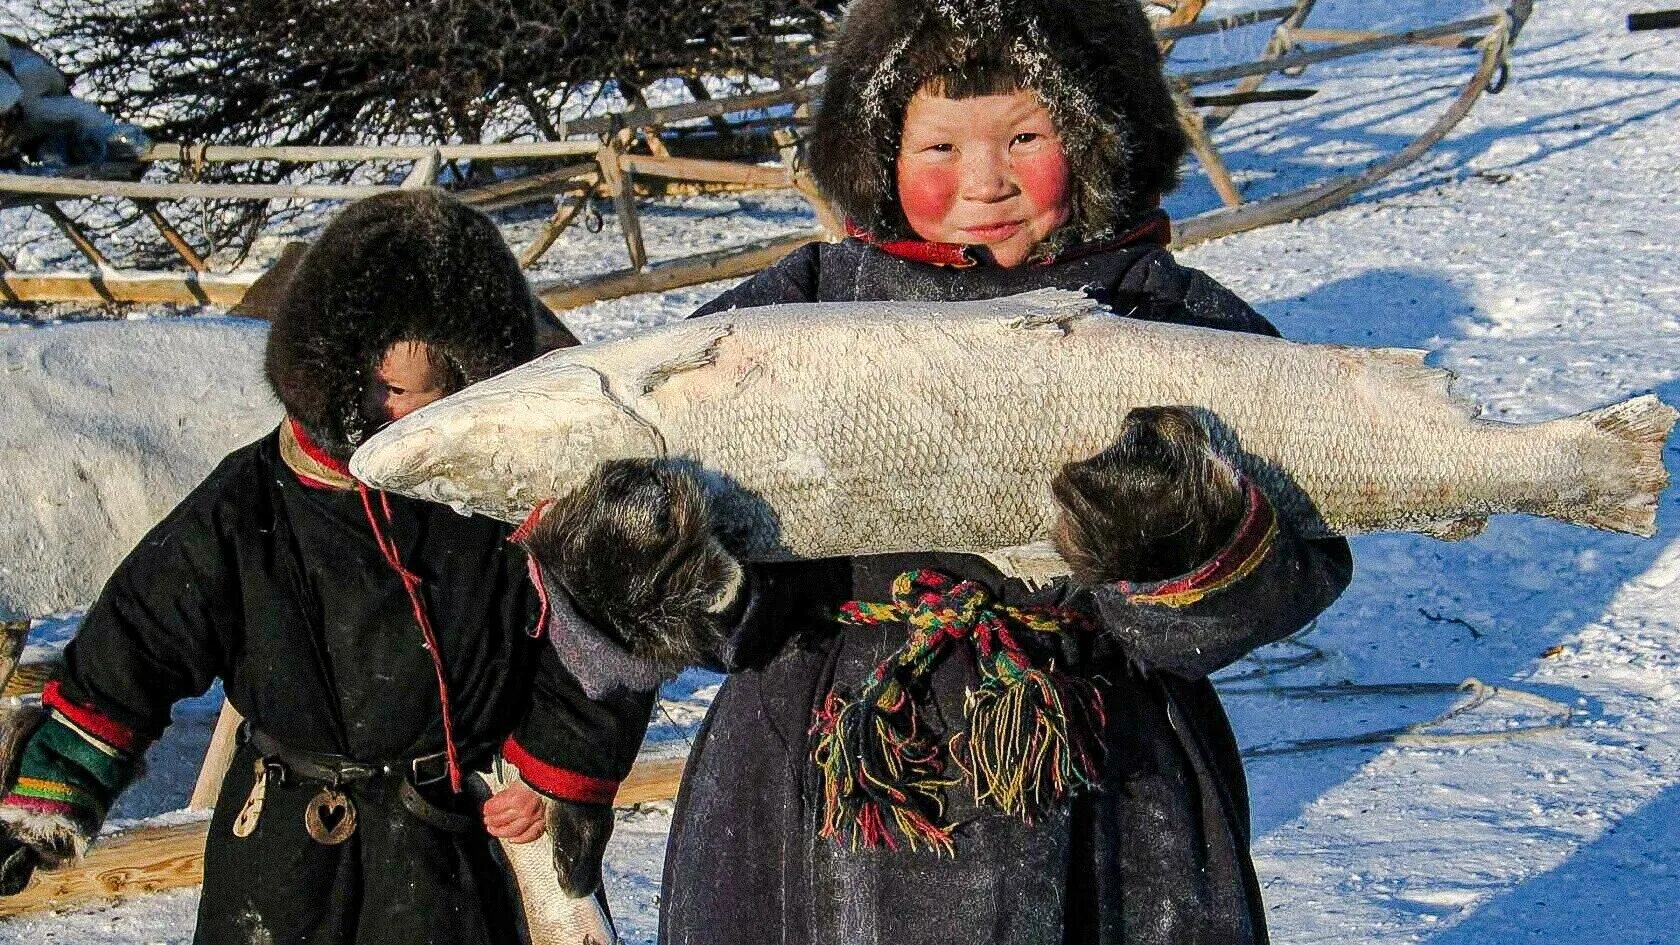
[18, 856]
[635, 550]
[1155, 505]
[580, 833]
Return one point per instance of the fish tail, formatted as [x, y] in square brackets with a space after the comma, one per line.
[1629, 501]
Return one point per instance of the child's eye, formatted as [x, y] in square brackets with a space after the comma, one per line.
[945, 148]
[1027, 137]
[395, 391]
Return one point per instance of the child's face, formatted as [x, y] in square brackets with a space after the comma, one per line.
[986, 171]
[404, 381]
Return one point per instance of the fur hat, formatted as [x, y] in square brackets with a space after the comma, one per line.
[1094, 63]
[403, 266]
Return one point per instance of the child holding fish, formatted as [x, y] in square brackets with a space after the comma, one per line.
[919, 747]
[379, 648]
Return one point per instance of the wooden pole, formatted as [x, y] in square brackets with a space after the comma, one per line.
[172, 236]
[1213, 164]
[563, 217]
[135, 190]
[694, 270]
[13, 633]
[74, 233]
[28, 679]
[618, 182]
[223, 743]
[129, 286]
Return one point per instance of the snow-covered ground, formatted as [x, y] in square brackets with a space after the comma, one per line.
[1536, 251]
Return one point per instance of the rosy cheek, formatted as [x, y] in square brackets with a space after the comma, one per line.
[926, 194]
[1044, 180]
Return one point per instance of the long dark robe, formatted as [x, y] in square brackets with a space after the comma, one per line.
[279, 589]
[1158, 854]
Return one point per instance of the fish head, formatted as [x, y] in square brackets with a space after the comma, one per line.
[502, 446]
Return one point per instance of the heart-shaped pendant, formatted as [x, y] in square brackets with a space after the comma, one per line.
[330, 817]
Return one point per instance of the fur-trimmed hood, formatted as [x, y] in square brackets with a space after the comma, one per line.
[404, 266]
[1095, 64]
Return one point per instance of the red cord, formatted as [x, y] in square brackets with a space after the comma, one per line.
[411, 583]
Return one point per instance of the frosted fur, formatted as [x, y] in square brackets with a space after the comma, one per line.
[873, 427]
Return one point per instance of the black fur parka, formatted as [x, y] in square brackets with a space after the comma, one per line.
[405, 266]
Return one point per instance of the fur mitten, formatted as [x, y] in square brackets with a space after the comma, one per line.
[634, 549]
[1155, 505]
[580, 833]
[59, 783]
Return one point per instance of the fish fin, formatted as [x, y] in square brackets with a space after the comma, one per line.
[1036, 565]
[1456, 529]
[1401, 357]
[1628, 502]
[1406, 368]
[702, 352]
[1042, 308]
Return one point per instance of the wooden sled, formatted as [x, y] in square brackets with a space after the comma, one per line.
[613, 158]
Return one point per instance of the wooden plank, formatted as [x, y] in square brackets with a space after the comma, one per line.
[1234, 21]
[132, 863]
[659, 277]
[136, 190]
[424, 172]
[74, 234]
[1380, 42]
[504, 151]
[13, 633]
[1213, 164]
[171, 235]
[28, 679]
[129, 286]
[531, 188]
[326, 154]
[707, 171]
[1316, 35]
[152, 859]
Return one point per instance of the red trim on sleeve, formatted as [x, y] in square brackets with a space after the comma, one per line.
[1240, 556]
[556, 781]
[92, 721]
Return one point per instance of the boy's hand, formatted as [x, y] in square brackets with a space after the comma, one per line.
[635, 551]
[1155, 505]
[515, 814]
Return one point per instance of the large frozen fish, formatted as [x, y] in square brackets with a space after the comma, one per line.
[871, 427]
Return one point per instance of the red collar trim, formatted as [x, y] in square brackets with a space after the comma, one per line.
[952, 255]
[319, 456]
[1155, 230]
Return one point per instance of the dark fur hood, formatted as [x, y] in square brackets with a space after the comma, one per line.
[1095, 64]
[405, 266]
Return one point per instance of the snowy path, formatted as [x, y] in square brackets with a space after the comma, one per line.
[1536, 251]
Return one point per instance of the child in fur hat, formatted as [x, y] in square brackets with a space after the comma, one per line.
[379, 648]
[916, 748]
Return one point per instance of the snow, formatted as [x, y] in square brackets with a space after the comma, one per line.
[1534, 251]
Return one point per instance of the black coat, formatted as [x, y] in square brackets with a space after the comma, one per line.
[279, 589]
[1158, 854]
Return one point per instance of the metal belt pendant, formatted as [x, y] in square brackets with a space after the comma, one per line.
[330, 817]
[246, 822]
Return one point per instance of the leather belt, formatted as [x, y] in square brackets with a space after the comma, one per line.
[286, 763]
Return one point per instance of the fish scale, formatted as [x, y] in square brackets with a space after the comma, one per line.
[856, 428]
